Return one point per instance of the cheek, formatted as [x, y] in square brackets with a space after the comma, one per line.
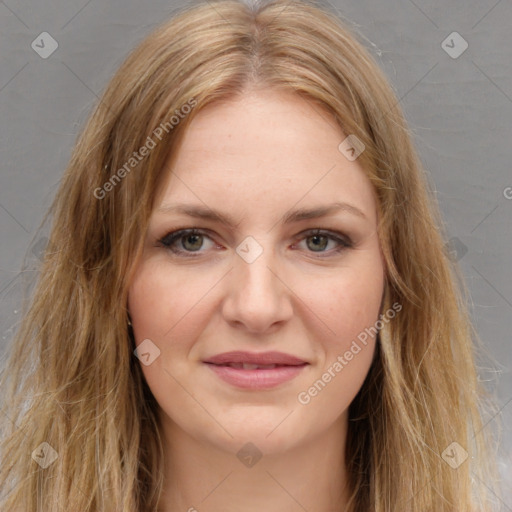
[156, 309]
[349, 307]
[146, 303]
[347, 304]
[161, 302]
[169, 309]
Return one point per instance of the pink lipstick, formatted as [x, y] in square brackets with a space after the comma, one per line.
[252, 370]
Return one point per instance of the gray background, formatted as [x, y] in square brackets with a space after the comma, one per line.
[459, 109]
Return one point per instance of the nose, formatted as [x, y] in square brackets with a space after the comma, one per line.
[257, 298]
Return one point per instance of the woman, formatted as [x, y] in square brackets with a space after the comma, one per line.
[246, 303]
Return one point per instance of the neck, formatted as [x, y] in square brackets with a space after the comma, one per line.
[202, 477]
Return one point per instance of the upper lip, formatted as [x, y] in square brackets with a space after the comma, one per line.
[262, 358]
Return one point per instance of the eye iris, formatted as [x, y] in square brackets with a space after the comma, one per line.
[195, 244]
[323, 243]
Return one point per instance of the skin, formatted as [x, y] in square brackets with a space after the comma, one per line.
[256, 159]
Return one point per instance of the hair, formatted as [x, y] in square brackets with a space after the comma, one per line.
[71, 379]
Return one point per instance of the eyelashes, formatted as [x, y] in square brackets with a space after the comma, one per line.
[195, 237]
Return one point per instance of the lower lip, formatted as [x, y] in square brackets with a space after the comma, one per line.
[256, 379]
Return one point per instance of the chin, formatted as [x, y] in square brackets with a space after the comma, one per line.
[255, 443]
[271, 433]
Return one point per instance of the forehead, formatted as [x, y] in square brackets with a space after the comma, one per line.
[277, 121]
[264, 148]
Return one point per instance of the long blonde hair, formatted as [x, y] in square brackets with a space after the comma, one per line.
[72, 380]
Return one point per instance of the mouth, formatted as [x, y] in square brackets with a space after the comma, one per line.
[256, 370]
[251, 366]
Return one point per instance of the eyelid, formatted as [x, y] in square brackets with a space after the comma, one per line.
[333, 234]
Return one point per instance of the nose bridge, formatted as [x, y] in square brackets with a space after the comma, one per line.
[257, 297]
[255, 277]
[252, 268]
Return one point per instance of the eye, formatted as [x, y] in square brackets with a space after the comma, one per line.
[189, 242]
[317, 241]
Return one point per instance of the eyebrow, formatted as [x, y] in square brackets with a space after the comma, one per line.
[206, 213]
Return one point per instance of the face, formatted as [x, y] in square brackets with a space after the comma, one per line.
[280, 277]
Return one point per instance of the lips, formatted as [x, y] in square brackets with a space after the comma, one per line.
[254, 371]
[253, 360]
[249, 366]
